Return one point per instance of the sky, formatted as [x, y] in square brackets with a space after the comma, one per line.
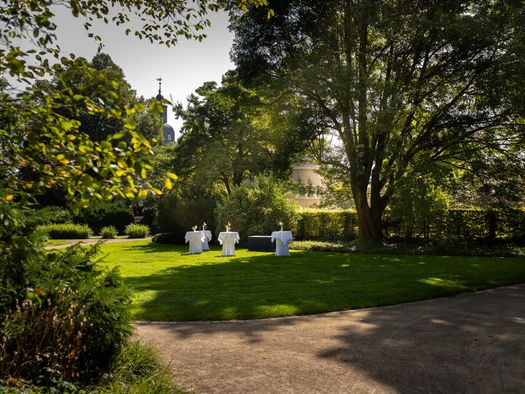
[182, 68]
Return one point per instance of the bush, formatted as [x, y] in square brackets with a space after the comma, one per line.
[177, 215]
[137, 230]
[108, 232]
[166, 238]
[69, 323]
[107, 213]
[47, 215]
[326, 225]
[257, 209]
[66, 231]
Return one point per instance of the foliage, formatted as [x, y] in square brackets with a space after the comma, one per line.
[66, 231]
[257, 209]
[404, 85]
[70, 323]
[450, 225]
[43, 147]
[167, 238]
[137, 370]
[170, 284]
[106, 213]
[417, 203]
[225, 137]
[108, 232]
[177, 214]
[418, 247]
[326, 225]
[134, 230]
[46, 215]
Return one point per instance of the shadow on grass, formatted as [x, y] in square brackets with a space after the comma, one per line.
[262, 286]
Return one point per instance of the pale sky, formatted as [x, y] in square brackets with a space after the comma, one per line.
[182, 68]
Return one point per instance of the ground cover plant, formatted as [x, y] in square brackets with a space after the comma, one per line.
[170, 284]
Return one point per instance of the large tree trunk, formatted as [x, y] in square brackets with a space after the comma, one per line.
[369, 216]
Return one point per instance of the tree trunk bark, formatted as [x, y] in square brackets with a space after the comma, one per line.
[369, 218]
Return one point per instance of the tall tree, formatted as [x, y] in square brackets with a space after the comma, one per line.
[404, 84]
[226, 135]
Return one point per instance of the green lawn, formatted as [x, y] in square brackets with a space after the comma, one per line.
[170, 284]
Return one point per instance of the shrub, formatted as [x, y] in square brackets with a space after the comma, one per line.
[108, 232]
[66, 231]
[69, 323]
[47, 215]
[177, 214]
[137, 230]
[101, 214]
[326, 224]
[258, 208]
[166, 238]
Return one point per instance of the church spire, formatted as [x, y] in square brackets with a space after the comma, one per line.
[159, 96]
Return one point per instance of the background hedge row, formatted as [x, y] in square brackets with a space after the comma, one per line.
[341, 225]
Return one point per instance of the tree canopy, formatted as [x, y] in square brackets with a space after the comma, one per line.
[404, 84]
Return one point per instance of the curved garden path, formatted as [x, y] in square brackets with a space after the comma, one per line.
[92, 241]
[472, 343]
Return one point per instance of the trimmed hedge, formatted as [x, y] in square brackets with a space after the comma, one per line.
[106, 213]
[66, 231]
[462, 224]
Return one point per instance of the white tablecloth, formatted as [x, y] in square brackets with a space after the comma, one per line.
[207, 237]
[195, 238]
[282, 239]
[228, 241]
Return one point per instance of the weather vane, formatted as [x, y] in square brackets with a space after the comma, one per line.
[160, 83]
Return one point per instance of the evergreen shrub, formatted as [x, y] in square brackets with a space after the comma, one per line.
[66, 231]
[46, 215]
[106, 213]
[69, 323]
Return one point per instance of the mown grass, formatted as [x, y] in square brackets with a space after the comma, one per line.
[170, 284]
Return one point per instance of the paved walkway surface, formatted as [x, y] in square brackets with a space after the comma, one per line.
[92, 241]
[472, 343]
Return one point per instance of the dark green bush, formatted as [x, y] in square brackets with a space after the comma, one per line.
[46, 215]
[136, 230]
[106, 213]
[166, 238]
[66, 231]
[176, 214]
[69, 323]
[108, 232]
[326, 225]
[258, 208]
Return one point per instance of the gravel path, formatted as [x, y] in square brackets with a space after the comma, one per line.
[472, 343]
[92, 241]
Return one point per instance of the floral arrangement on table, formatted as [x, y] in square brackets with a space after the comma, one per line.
[281, 224]
[204, 226]
[194, 228]
[228, 226]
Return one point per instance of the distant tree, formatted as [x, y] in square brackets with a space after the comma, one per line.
[225, 136]
[404, 84]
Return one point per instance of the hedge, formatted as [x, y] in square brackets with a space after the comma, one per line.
[66, 231]
[341, 225]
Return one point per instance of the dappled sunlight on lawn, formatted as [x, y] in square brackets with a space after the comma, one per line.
[170, 284]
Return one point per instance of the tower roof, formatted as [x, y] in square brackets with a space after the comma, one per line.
[159, 95]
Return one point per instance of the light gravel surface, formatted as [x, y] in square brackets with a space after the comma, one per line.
[472, 343]
[93, 241]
